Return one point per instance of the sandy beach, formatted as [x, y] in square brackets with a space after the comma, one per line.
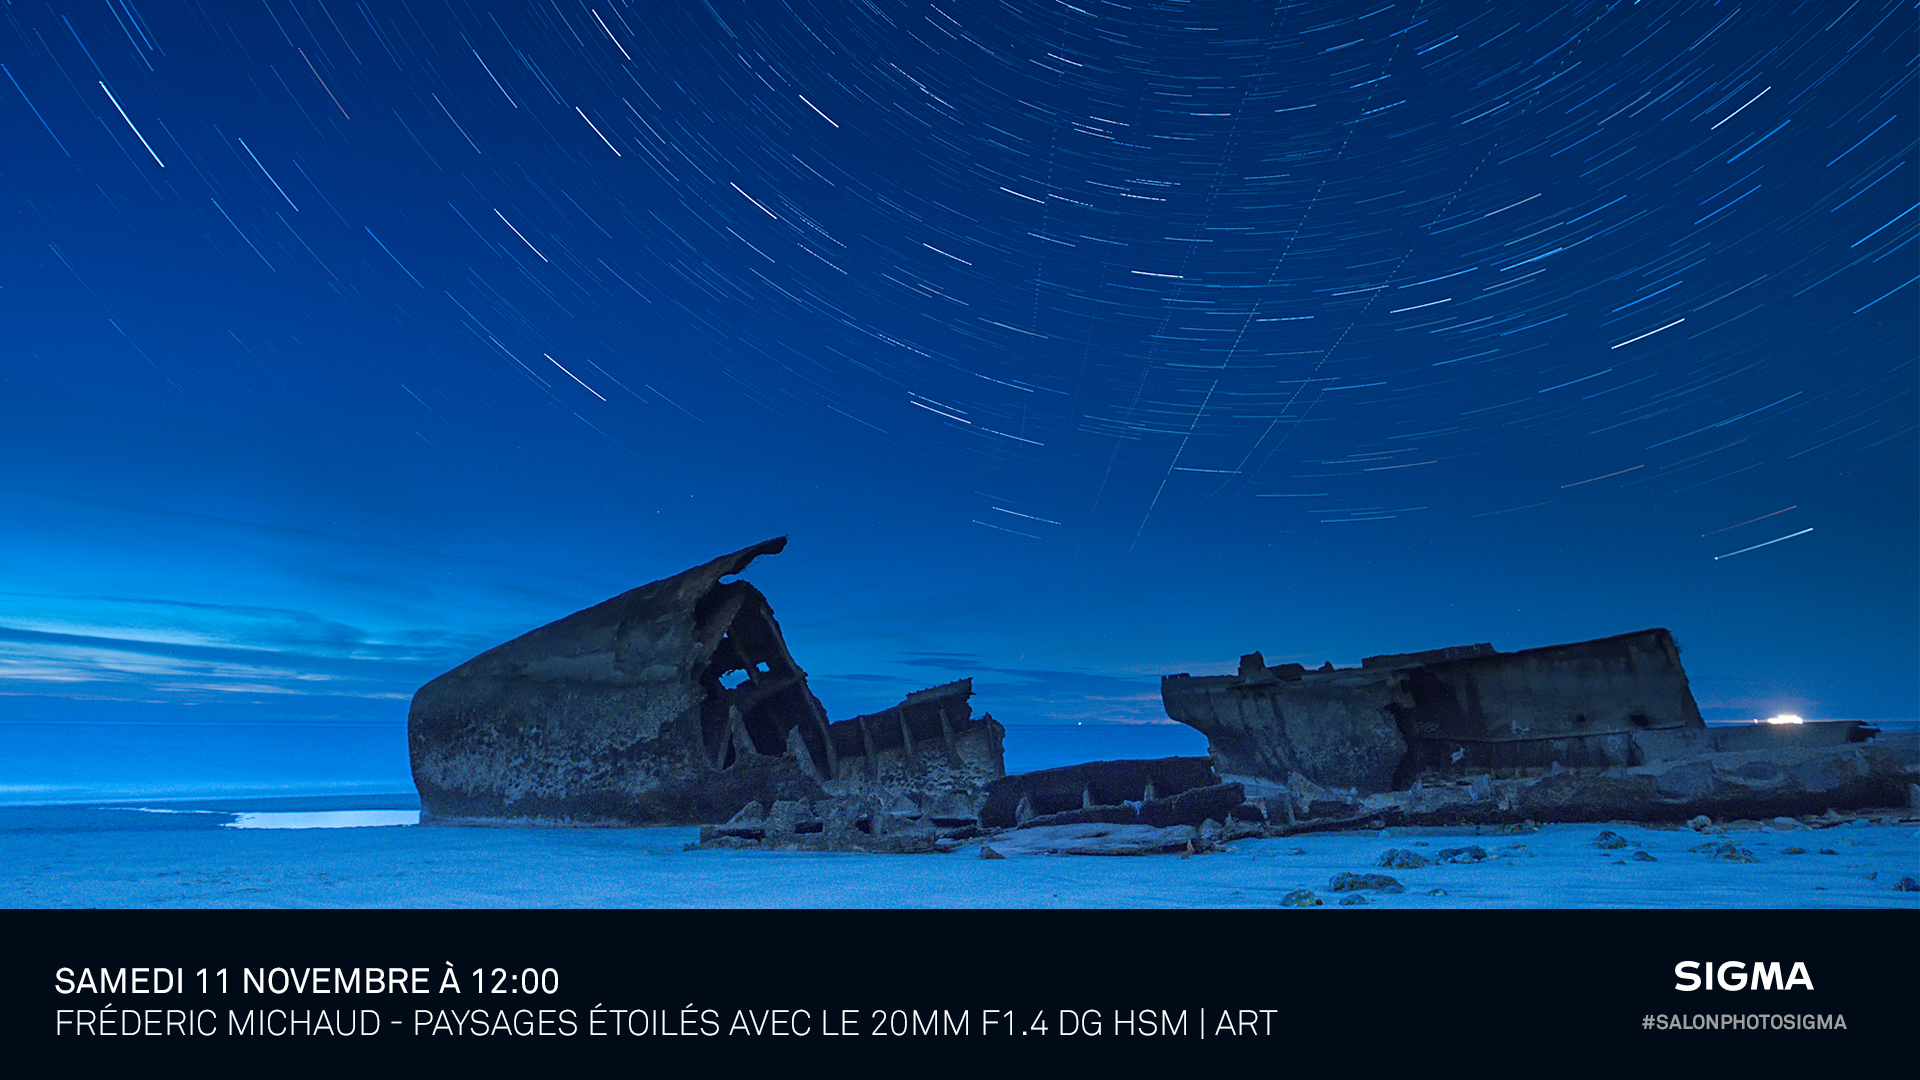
[161, 856]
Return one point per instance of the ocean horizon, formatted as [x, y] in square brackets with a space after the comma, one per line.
[69, 762]
[362, 765]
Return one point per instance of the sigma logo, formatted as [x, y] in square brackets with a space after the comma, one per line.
[1739, 975]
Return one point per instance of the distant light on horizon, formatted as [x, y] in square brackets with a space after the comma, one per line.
[1783, 718]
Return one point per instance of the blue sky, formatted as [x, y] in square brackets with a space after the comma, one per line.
[1070, 345]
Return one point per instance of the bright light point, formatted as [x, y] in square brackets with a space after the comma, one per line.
[1783, 718]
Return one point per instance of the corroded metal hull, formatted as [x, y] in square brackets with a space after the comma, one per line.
[676, 702]
[1456, 712]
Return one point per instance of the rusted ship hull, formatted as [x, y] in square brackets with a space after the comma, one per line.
[676, 702]
[1591, 731]
[1461, 711]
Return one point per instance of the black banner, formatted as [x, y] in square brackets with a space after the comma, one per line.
[356, 989]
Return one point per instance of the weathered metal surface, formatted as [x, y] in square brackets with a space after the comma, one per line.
[676, 702]
[1448, 712]
[1754, 771]
[928, 741]
[1095, 790]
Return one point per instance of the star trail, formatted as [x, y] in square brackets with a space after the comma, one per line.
[1072, 343]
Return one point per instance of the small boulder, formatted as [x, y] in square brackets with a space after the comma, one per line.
[1725, 851]
[1356, 882]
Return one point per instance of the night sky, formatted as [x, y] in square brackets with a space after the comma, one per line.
[1072, 344]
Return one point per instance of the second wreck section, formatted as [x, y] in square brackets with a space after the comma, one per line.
[676, 702]
[1455, 712]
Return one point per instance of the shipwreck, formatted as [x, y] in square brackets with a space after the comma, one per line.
[1456, 711]
[1593, 730]
[679, 703]
[676, 703]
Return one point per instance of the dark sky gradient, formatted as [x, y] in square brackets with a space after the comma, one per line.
[1072, 344]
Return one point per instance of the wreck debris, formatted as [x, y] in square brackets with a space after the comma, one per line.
[925, 742]
[1114, 792]
[676, 702]
[850, 823]
[1763, 778]
[1095, 838]
[1096, 808]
